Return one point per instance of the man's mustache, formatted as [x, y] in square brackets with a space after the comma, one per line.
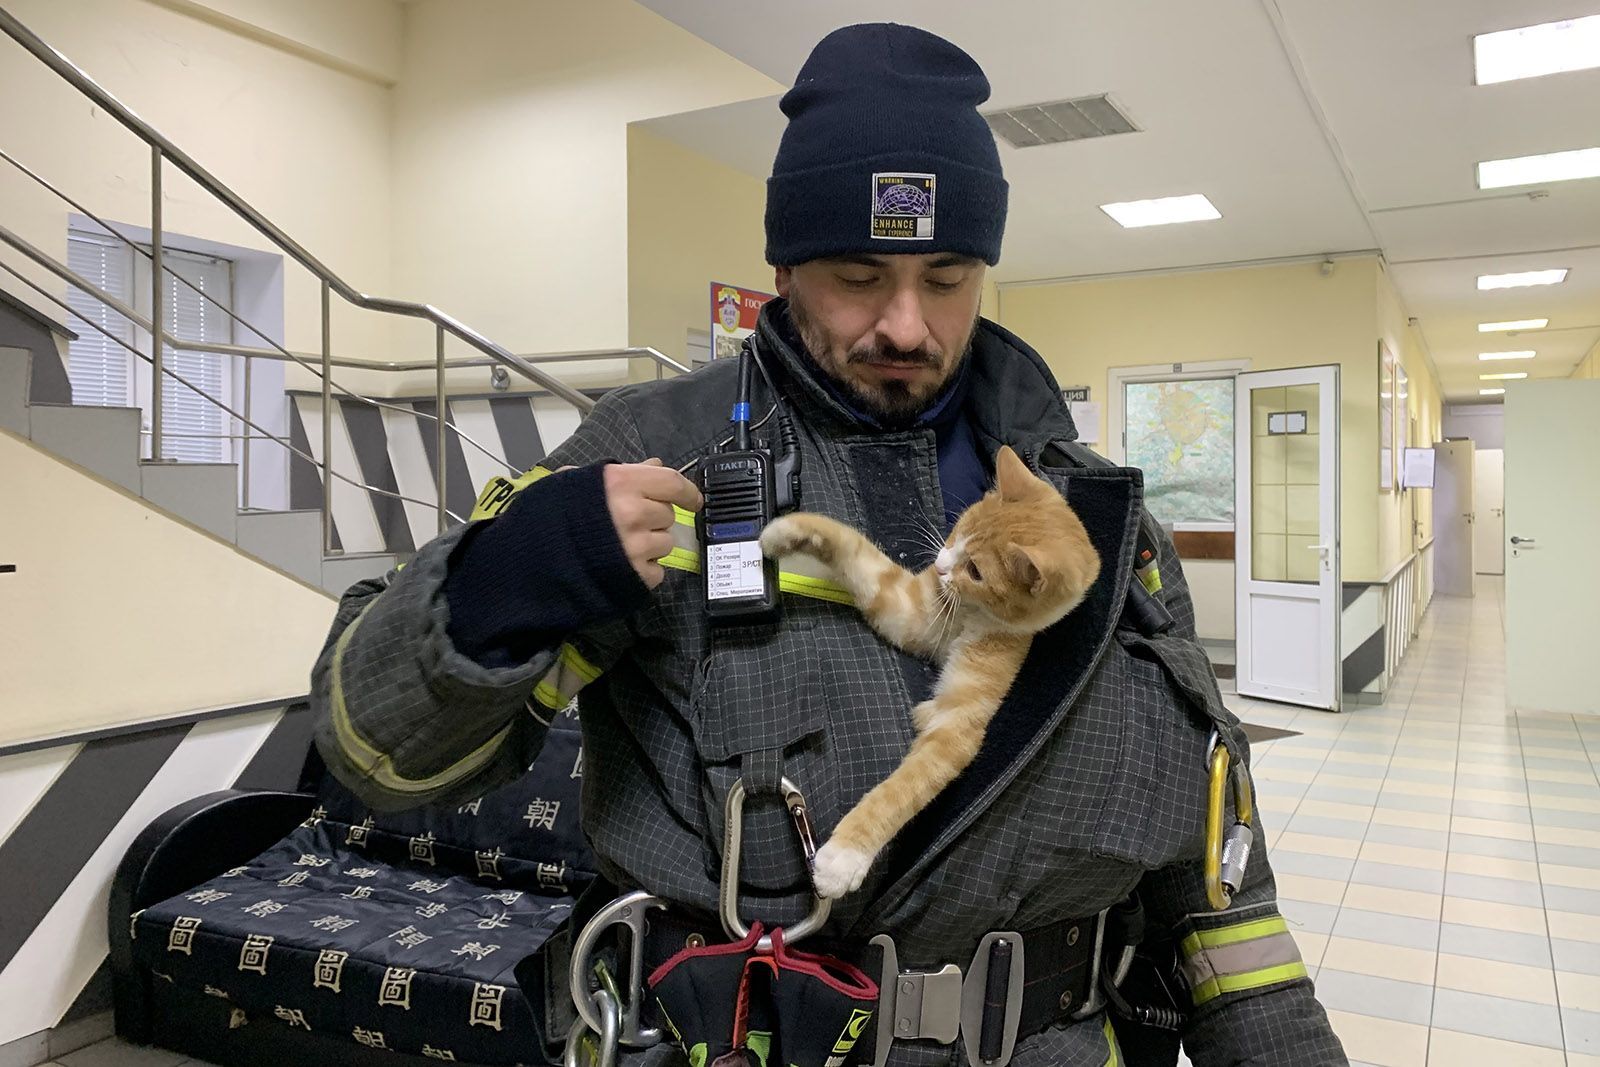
[883, 354]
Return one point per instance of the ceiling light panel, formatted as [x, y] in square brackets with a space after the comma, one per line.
[1491, 392]
[1518, 324]
[1164, 211]
[1518, 279]
[1506, 377]
[1536, 170]
[1534, 51]
[1489, 356]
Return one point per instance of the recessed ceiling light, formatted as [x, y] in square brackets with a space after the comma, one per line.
[1533, 170]
[1168, 209]
[1520, 278]
[1532, 51]
[1490, 392]
[1519, 324]
[1508, 376]
[1506, 355]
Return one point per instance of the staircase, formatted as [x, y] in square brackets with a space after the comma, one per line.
[105, 442]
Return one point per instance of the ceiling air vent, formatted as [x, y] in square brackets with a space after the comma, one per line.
[1064, 120]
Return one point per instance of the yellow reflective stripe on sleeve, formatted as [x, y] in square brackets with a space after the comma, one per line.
[1239, 983]
[376, 765]
[570, 673]
[1111, 1039]
[498, 493]
[1230, 935]
[1241, 957]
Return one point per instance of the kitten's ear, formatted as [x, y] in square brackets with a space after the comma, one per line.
[1012, 476]
[1023, 570]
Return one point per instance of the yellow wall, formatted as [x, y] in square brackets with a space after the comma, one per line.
[119, 613]
[1590, 366]
[1423, 406]
[1276, 317]
[511, 159]
[295, 130]
[691, 221]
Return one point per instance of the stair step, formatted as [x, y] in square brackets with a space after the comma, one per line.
[16, 367]
[102, 440]
[289, 540]
[341, 572]
[205, 494]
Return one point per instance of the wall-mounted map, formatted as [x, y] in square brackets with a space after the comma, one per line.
[1181, 434]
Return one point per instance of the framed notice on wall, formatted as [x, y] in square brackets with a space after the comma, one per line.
[1387, 388]
[733, 317]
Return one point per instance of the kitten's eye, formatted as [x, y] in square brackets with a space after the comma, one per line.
[973, 572]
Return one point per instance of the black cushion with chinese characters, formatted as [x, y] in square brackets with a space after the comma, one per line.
[399, 931]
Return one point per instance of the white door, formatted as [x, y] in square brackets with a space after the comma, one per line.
[1286, 486]
[1552, 513]
[1489, 505]
[1453, 573]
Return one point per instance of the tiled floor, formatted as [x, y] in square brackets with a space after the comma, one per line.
[1438, 859]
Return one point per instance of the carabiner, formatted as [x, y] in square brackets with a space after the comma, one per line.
[630, 910]
[608, 1033]
[733, 843]
[1226, 859]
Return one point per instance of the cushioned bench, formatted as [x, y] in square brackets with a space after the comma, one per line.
[278, 928]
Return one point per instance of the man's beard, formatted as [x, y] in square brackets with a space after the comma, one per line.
[890, 401]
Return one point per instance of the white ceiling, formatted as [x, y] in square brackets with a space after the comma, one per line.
[1315, 127]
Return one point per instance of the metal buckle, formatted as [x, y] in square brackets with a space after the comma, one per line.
[1096, 998]
[733, 844]
[972, 999]
[915, 1005]
[630, 910]
[606, 1036]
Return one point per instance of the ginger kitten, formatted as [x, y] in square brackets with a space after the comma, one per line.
[1016, 562]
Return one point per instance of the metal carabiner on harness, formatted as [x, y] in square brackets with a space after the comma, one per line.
[733, 842]
[1226, 856]
[630, 910]
[608, 1033]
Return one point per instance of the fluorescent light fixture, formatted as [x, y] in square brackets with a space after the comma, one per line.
[1535, 170]
[1521, 278]
[1518, 324]
[1192, 208]
[1491, 392]
[1506, 355]
[1509, 376]
[1533, 51]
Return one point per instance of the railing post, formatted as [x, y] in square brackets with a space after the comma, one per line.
[327, 423]
[244, 429]
[157, 323]
[438, 428]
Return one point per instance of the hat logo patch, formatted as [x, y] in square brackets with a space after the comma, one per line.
[902, 207]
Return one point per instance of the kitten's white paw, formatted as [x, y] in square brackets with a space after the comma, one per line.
[840, 870]
[781, 536]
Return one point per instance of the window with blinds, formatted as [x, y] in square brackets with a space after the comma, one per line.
[104, 373]
[101, 370]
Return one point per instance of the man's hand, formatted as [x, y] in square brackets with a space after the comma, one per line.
[640, 497]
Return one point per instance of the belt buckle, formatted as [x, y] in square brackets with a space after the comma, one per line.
[915, 1005]
[975, 996]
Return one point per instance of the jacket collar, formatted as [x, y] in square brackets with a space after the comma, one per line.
[1008, 390]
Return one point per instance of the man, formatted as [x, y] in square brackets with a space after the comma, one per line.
[885, 206]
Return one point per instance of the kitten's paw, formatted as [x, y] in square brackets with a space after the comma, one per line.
[793, 533]
[840, 870]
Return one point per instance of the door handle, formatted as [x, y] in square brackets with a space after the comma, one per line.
[1523, 541]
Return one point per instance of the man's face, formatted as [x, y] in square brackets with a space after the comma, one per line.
[890, 329]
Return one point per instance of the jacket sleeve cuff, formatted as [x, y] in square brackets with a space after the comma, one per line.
[547, 566]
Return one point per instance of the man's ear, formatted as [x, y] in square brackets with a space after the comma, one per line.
[780, 280]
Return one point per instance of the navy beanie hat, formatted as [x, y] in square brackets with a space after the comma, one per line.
[885, 152]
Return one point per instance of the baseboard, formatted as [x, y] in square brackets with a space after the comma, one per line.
[49, 1045]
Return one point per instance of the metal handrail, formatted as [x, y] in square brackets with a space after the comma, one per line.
[164, 150]
[262, 433]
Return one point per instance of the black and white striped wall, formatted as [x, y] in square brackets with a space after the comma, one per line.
[397, 451]
[70, 808]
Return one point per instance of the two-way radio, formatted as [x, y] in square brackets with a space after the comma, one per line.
[744, 489]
